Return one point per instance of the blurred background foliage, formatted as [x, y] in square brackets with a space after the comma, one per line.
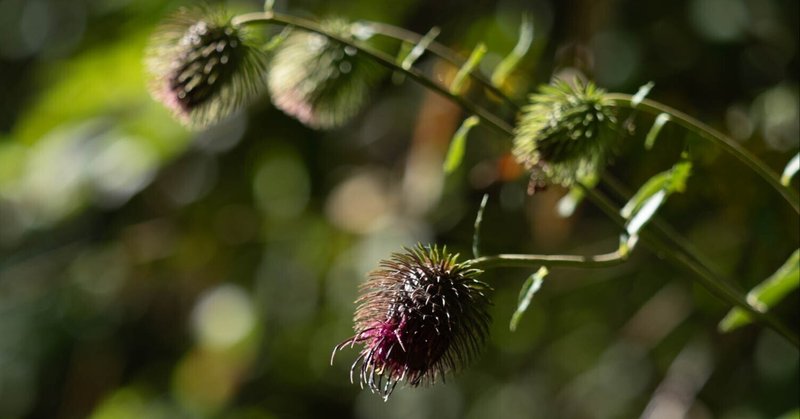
[150, 272]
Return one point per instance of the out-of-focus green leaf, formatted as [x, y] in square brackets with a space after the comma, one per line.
[650, 140]
[791, 169]
[459, 81]
[570, 201]
[476, 235]
[641, 94]
[511, 61]
[529, 288]
[455, 154]
[792, 414]
[420, 48]
[766, 294]
[646, 202]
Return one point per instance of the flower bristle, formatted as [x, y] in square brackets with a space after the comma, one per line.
[203, 67]
[319, 81]
[567, 132]
[420, 316]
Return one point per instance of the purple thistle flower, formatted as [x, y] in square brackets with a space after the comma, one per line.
[420, 316]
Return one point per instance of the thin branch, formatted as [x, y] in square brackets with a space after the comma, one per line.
[714, 136]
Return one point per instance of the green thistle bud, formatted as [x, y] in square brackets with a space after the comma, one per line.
[203, 67]
[567, 132]
[420, 316]
[319, 81]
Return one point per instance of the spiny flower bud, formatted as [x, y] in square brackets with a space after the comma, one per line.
[319, 81]
[566, 133]
[203, 67]
[420, 316]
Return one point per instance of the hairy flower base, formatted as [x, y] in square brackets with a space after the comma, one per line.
[202, 67]
[566, 133]
[420, 316]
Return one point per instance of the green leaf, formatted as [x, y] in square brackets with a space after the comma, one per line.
[570, 201]
[511, 61]
[458, 145]
[766, 294]
[641, 94]
[792, 414]
[476, 235]
[457, 86]
[529, 288]
[420, 48]
[791, 169]
[646, 202]
[661, 119]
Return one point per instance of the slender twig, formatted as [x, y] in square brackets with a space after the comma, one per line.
[441, 51]
[535, 261]
[653, 238]
[716, 137]
[487, 117]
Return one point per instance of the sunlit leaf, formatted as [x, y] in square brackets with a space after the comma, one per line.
[511, 61]
[650, 140]
[570, 201]
[641, 94]
[529, 288]
[792, 414]
[476, 235]
[459, 81]
[791, 169]
[420, 48]
[766, 294]
[458, 145]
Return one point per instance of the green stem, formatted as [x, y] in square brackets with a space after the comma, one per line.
[441, 51]
[652, 237]
[714, 136]
[535, 261]
[488, 118]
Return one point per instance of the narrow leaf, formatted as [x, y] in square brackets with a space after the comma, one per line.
[268, 5]
[641, 94]
[791, 169]
[457, 86]
[766, 294]
[650, 140]
[673, 180]
[511, 61]
[420, 48]
[455, 154]
[570, 201]
[529, 288]
[476, 235]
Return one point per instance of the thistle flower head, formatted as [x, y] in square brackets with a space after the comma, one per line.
[319, 81]
[421, 315]
[203, 67]
[566, 132]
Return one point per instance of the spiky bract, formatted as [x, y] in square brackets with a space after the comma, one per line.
[203, 67]
[567, 132]
[319, 81]
[421, 315]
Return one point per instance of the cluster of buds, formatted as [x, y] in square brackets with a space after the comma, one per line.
[421, 315]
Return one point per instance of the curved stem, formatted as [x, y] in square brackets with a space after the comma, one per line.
[488, 118]
[716, 137]
[652, 236]
[535, 261]
[441, 51]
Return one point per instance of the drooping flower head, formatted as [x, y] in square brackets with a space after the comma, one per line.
[567, 132]
[319, 81]
[203, 67]
[420, 316]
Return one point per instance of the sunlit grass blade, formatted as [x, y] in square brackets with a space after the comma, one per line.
[455, 154]
[459, 81]
[526, 293]
[510, 62]
[570, 201]
[641, 94]
[476, 235]
[766, 294]
[659, 123]
[791, 169]
[420, 48]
